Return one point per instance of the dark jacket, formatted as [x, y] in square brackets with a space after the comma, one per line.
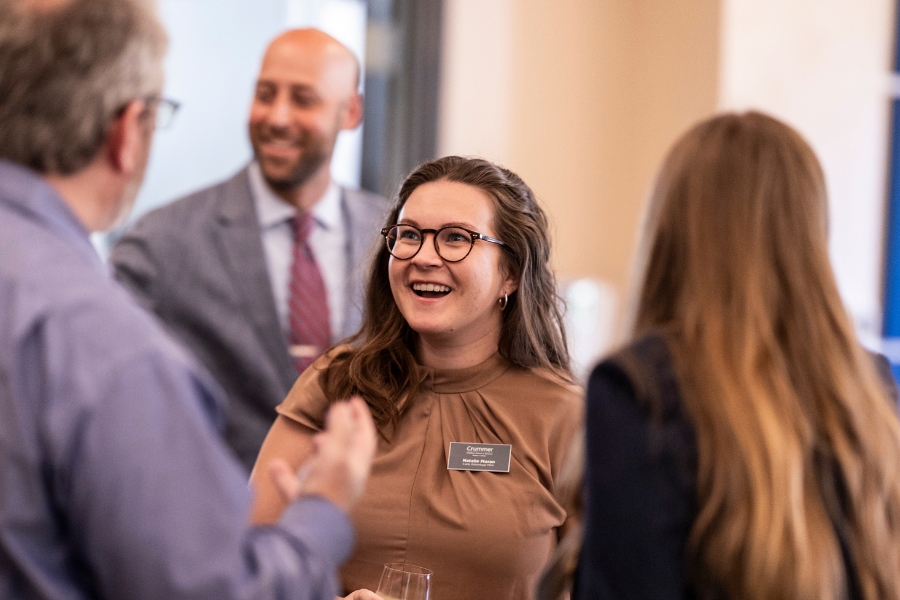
[641, 479]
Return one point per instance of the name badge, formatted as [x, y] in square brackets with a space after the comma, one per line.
[479, 457]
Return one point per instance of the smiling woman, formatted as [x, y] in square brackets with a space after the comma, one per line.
[450, 304]
[462, 341]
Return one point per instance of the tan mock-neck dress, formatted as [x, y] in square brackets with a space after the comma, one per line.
[486, 536]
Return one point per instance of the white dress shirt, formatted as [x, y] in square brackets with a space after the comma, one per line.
[328, 242]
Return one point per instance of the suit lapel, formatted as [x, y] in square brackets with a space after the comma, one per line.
[240, 245]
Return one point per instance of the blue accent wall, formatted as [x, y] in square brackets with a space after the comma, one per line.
[892, 258]
[891, 323]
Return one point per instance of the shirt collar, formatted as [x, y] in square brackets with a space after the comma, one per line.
[272, 210]
[27, 191]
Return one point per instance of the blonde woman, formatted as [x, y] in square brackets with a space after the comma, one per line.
[743, 445]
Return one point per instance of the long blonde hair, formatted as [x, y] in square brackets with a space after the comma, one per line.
[799, 446]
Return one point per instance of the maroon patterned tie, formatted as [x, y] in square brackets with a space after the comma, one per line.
[309, 317]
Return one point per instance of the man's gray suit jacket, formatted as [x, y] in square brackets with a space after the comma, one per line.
[199, 264]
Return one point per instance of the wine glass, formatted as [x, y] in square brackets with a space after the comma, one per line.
[400, 581]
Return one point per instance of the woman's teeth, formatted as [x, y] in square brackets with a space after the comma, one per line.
[430, 287]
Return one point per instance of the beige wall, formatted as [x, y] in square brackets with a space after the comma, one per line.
[476, 82]
[824, 67]
[581, 98]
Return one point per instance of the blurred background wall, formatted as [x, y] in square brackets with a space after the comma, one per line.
[825, 67]
[583, 98]
[580, 97]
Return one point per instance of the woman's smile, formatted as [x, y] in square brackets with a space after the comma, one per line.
[430, 290]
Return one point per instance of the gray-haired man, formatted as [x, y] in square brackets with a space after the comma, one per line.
[114, 482]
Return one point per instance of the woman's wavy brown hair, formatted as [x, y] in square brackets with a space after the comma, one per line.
[799, 445]
[381, 364]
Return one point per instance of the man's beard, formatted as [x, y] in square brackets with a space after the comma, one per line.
[315, 153]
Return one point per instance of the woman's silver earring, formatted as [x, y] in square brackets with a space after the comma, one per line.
[503, 301]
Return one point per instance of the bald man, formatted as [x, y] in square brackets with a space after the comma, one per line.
[229, 269]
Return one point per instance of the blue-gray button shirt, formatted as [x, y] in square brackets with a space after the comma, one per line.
[113, 480]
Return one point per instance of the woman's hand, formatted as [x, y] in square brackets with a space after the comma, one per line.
[361, 595]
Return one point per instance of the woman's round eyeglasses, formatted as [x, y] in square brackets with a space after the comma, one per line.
[451, 243]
